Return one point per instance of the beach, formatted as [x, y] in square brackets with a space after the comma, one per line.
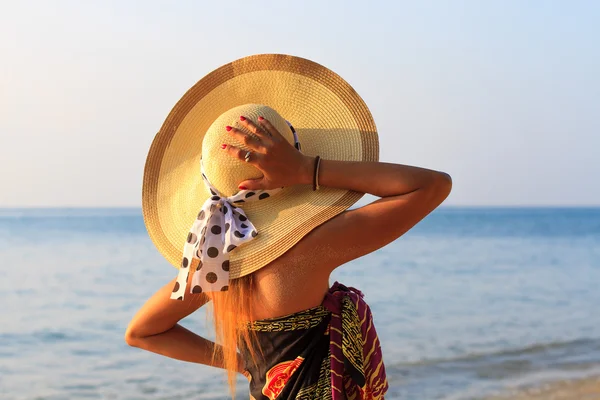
[579, 389]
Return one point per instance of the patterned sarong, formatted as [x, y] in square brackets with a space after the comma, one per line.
[327, 352]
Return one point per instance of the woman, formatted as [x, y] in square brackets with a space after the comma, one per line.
[272, 227]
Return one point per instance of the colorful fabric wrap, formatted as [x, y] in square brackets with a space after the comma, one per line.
[221, 226]
[329, 352]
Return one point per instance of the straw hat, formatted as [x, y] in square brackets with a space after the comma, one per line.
[330, 118]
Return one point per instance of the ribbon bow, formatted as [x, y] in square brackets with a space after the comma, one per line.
[218, 230]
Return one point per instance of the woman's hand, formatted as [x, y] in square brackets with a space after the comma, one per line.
[280, 162]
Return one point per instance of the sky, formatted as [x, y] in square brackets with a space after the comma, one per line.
[502, 95]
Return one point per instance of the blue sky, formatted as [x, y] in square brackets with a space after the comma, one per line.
[503, 95]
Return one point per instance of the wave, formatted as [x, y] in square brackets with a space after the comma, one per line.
[537, 349]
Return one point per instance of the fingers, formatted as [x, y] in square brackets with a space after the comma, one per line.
[252, 127]
[253, 159]
[268, 127]
[240, 154]
[253, 184]
[242, 137]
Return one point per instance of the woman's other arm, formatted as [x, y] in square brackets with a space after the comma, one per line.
[155, 328]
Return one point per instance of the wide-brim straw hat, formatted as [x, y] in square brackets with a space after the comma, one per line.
[330, 118]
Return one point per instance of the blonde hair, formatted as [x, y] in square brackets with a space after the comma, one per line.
[232, 310]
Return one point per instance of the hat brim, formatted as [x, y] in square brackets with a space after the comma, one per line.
[331, 120]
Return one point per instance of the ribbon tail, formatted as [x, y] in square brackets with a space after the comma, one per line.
[241, 230]
[188, 255]
[213, 276]
[184, 271]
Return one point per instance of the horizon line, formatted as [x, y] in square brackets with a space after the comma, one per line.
[67, 207]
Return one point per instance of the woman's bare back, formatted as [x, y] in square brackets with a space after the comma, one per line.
[285, 287]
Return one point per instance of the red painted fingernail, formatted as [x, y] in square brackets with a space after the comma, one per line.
[260, 118]
[228, 128]
[223, 146]
[243, 187]
[242, 118]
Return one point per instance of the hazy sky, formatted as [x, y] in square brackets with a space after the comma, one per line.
[503, 95]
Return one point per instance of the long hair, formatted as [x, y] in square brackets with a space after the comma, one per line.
[232, 311]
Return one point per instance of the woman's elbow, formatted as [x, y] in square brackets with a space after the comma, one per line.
[441, 187]
[131, 337]
[445, 183]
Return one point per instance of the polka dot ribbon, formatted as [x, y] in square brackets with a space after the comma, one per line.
[220, 227]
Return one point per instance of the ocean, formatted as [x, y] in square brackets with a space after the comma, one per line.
[470, 302]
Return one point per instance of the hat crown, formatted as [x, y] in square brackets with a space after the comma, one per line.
[224, 171]
[330, 117]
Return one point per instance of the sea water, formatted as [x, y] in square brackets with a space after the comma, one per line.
[471, 301]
